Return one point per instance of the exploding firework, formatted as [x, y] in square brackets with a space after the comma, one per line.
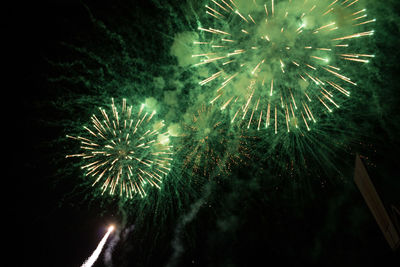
[201, 140]
[125, 151]
[209, 145]
[282, 64]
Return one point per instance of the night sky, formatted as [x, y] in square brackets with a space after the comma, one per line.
[68, 57]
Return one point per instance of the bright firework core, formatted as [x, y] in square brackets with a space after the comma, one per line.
[281, 64]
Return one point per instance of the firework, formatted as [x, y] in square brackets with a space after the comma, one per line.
[95, 255]
[209, 145]
[201, 140]
[281, 64]
[125, 151]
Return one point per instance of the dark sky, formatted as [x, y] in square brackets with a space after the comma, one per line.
[277, 223]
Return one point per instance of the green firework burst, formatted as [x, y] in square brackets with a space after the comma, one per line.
[125, 151]
[202, 140]
[208, 146]
[281, 64]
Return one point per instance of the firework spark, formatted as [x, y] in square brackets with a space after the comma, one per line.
[279, 65]
[201, 140]
[209, 145]
[125, 151]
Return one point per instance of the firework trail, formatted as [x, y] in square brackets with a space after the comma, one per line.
[113, 242]
[125, 152]
[110, 248]
[92, 259]
[281, 64]
[187, 218]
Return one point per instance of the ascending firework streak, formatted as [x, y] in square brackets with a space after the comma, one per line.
[277, 64]
[125, 151]
[92, 259]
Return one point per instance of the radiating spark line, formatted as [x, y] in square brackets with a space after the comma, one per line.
[252, 19]
[330, 110]
[212, 77]
[227, 81]
[240, 15]
[272, 87]
[356, 59]
[352, 3]
[220, 6]
[327, 12]
[344, 78]
[210, 60]
[365, 22]
[273, 8]
[356, 35]
[345, 1]
[227, 5]
[259, 120]
[258, 65]
[325, 26]
[233, 3]
[360, 17]
[213, 10]
[334, 2]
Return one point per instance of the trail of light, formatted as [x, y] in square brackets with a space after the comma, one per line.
[240, 15]
[356, 35]
[227, 4]
[220, 5]
[333, 3]
[213, 10]
[92, 259]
